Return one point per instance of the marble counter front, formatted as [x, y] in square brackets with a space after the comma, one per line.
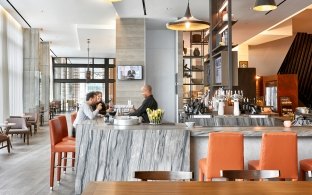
[113, 153]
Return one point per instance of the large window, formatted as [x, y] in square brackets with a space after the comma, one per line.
[70, 83]
[11, 66]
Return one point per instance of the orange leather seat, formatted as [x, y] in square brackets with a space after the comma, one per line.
[305, 166]
[58, 146]
[225, 152]
[278, 152]
[65, 136]
[64, 127]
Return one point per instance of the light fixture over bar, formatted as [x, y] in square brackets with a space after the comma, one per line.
[114, 1]
[188, 22]
[264, 5]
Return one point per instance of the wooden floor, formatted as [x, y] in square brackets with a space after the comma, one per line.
[26, 170]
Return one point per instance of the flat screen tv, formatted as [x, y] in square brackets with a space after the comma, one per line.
[129, 72]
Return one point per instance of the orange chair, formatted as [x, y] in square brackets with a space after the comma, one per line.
[278, 152]
[58, 146]
[65, 136]
[64, 127]
[73, 116]
[305, 166]
[225, 152]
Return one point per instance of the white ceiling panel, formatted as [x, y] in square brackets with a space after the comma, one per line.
[68, 23]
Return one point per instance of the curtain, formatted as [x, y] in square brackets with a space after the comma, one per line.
[11, 66]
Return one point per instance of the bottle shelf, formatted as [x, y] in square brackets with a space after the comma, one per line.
[193, 56]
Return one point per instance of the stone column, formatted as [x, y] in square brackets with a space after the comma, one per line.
[57, 74]
[31, 69]
[44, 67]
[130, 50]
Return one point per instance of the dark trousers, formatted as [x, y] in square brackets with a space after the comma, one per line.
[73, 132]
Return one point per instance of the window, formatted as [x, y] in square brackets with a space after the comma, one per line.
[69, 78]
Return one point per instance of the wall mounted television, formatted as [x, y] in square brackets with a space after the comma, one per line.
[129, 72]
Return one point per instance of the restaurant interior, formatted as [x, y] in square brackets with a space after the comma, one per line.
[232, 82]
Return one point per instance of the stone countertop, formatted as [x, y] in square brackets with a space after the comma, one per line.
[305, 131]
[252, 131]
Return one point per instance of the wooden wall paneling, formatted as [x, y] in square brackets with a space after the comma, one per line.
[299, 61]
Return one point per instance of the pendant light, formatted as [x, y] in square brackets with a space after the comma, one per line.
[264, 5]
[188, 22]
[88, 72]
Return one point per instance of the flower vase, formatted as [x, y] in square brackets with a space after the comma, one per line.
[221, 108]
[236, 111]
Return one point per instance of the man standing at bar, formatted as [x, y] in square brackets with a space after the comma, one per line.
[85, 111]
[149, 102]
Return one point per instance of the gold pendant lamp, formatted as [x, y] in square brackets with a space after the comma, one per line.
[264, 5]
[188, 22]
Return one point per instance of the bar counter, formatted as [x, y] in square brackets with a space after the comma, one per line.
[112, 153]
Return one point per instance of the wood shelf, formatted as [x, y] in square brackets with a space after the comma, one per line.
[192, 84]
[193, 56]
[222, 24]
[221, 48]
[193, 70]
[200, 43]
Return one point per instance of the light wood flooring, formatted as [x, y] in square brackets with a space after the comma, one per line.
[26, 170]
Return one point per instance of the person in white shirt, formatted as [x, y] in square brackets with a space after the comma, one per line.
[85, 111]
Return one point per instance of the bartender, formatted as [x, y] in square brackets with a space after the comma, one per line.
[149, 102]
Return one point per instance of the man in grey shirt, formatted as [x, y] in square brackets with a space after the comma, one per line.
[85, 111]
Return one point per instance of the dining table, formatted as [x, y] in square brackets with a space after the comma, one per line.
[195, 187]
[6, 126]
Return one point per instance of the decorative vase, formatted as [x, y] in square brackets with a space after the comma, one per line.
[196, 52]
[221, 108]
[236, 111]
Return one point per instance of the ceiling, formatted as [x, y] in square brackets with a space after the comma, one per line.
[67, 24]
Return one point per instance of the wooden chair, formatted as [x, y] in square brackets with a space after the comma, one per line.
[232, 175]
[163, 175]
[33, 120]
[28, 125]
[5, 138]
[19, 128]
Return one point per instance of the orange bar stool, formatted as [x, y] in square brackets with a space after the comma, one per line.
[225, 152]
[278, 152]
[65, 137]
[64, 127]
[58, 146]
[305, 166]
